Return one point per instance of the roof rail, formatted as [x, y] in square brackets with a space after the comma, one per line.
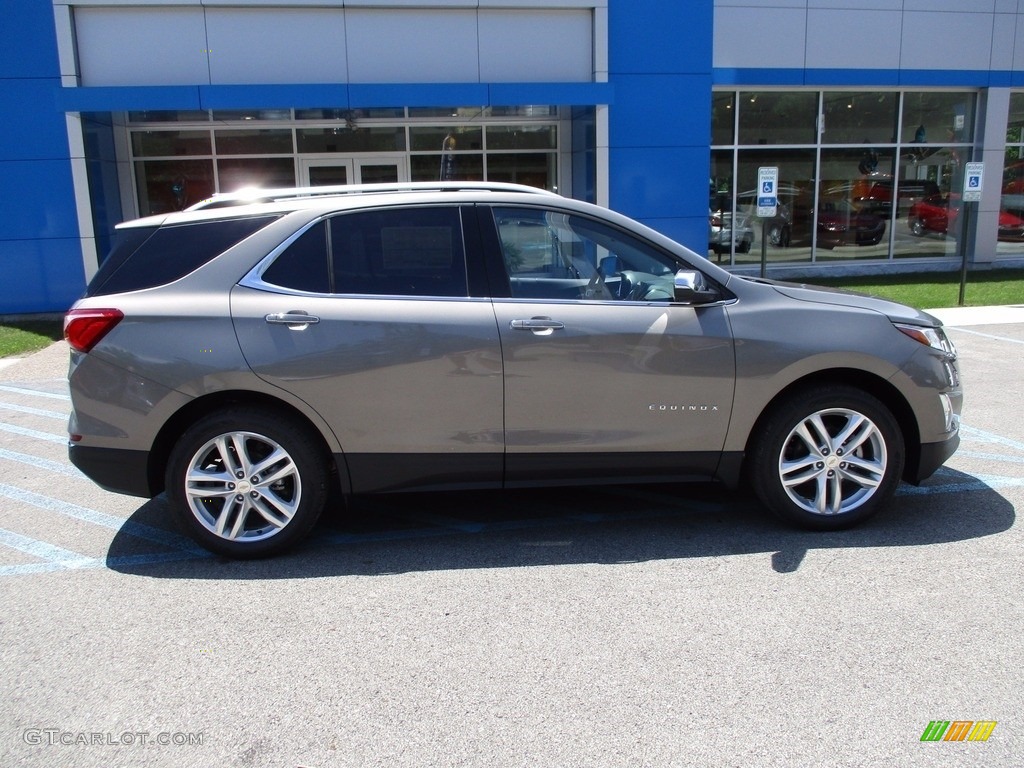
[256, 195]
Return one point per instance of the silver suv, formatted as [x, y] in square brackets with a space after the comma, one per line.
[250, 357]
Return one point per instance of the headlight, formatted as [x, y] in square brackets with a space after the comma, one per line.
[931, 337]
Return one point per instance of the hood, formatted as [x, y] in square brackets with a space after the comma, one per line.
[822, 295]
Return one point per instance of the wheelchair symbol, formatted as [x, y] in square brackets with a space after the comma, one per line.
[766, 188]
[974, 182]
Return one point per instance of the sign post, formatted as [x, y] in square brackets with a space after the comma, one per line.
[767, 206]
[974, 174]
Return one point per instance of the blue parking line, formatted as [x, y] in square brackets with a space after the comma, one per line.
[988, 335]
[35, 411]
[138, 530]
[59, 559]
[989, 456]
[35, 461]
[989, 437]
[35, 434]
[53, 555]
[34, 392]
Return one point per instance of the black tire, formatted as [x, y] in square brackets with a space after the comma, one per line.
[743, 247]
[271, 506]
[823, 489]
[916, 227]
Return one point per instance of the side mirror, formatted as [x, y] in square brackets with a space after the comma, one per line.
[690, 288]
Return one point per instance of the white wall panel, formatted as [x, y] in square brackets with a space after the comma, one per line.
[412, 46]
[965, 6]
[759, 37]
[279, 45]
[536, 46]
[141, 46]
[853, 39]
[859, 5]
[1003, 41]
[946, 40]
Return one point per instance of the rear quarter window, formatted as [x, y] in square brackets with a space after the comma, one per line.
[148, 257]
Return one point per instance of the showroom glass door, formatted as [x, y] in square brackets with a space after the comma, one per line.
[375, 169]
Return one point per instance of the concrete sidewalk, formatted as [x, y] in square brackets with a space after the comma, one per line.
[963, 316]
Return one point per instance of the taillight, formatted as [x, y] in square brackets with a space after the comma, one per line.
[83, 328]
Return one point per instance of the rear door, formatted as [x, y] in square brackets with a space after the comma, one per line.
[372, 318]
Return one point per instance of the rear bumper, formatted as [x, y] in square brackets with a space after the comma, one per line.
[114, 469]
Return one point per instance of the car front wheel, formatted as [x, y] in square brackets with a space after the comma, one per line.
[247, 483]
[828, 458]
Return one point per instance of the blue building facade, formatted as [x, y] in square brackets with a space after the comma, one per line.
[658, 109]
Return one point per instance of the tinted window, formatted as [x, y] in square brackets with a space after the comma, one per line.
[302, 266]
[401, 252]
[169, 253]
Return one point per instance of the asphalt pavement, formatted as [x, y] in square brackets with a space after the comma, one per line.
[633, 626]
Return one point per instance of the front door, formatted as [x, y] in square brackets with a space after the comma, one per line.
[368, 169]
[606, 376]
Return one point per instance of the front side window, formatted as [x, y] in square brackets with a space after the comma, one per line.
[560, 256]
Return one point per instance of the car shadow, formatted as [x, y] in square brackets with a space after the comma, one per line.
[561, 526]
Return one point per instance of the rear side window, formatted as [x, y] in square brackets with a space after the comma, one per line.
[147, 257]
[399, 252]
[395, 252]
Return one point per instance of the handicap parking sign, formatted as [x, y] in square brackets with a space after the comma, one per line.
[768, 199]
[973, 175]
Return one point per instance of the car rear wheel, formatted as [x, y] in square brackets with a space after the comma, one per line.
[916, 227]
[828, 458]
[247, 483]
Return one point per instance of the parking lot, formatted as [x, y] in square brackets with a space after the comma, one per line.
[654, 626]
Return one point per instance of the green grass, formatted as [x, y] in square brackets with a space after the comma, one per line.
[939, 289]
[22, 337]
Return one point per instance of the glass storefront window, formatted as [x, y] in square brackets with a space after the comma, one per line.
[235, 115]
[326, 140]
[778, 117]
[465, 167]
[310, 146]
[169, 116]
[723, 117]
[522, 137]
[172, 185]
[170, 143]
[859, 117]
[854, 185]
[234, 174]
[536, 169]
[231, 141]
[1010, 237]
[430, 138]
[348, 114]
[855, 203]
[938, 117]
[789, 233]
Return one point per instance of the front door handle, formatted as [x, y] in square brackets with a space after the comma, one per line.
[295, 320]
[541, 326]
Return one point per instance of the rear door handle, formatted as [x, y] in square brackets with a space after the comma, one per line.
[296, 321]
[542, 326]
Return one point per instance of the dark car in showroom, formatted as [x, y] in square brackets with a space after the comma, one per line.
[256, 362]
[838, 221]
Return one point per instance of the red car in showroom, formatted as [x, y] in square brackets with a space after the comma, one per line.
[939, 213]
